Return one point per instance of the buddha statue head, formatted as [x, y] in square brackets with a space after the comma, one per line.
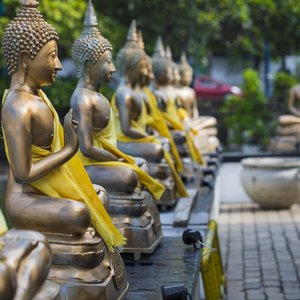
[30, 48]
[174, 76]
[132, 59]
[160, 64]
[92, 53]
[186, 71]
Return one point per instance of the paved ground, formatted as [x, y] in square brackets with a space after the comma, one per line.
[261, 249]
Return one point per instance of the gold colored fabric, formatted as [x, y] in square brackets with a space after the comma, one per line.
[3, 226]
[140, 125]
[182, 113]
[184, 117]
[172, 110]
[71, 181]
[171, 116]
[156, 120]
[102, 139]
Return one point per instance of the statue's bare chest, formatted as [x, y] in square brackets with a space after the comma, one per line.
[101, 113]
[42, 124]
[136, 105]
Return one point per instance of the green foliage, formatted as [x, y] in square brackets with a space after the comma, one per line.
[248, 117]
[281, 86]
[235, 28]
[66, 17]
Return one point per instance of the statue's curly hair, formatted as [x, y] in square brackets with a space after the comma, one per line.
[129, 57]
[88, 48]
[27, 31]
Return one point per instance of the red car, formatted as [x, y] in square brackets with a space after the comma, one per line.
[207, 88]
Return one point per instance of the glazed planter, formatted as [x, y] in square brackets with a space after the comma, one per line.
[272, 182]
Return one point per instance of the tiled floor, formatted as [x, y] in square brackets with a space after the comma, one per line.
[261, 248]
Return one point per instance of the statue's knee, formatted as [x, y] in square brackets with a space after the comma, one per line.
[179, 137]
[102, 195]
[7, 284]
[130, 179]
[79, 217]
[158, 152]
[45, 256]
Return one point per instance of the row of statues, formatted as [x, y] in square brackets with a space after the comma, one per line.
[77, 194]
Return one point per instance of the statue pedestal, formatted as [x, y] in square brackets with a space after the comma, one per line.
[163, 173]
[287, 137]
[49, 291]
[85, 270]
[137, 218]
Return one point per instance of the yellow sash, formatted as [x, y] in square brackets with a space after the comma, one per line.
[140, 125]
[171, 116]
[156, 120]
[71, 181]
[3, 226]
[104, 139]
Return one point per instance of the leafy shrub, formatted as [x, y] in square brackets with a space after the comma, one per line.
[281, 86]
[248, 117]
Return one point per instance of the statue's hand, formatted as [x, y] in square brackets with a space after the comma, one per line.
[71, 139]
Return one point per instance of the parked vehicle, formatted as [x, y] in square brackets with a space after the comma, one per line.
[207, 88]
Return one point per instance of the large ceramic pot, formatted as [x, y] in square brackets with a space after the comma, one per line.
[272, 182]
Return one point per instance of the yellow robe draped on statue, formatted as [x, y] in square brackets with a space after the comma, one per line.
[172, 117]
[3, 226]
[140, 125]
[106, 139]
[71, 181]
[156, 120]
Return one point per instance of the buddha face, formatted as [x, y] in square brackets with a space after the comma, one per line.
[42, 70]
[170, 74]
[139, 74]
[101, 72]
[186, 77]
[150, 76]
[176, 75]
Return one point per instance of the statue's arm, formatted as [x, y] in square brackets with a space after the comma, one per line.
[85, 134]
[124, 105]
[17, 128]
[195, 105]
[291, 102]
[160, 102]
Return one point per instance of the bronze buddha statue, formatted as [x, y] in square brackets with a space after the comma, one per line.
[25, 261]
[128, 105]
[167, 95]
[287, 137]
[131, 206]
[131, 118]
[205, 126]
[158, 125]
[48, 189]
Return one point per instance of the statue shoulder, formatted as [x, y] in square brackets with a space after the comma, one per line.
[18, 107]
[82, 98]
[124, 94]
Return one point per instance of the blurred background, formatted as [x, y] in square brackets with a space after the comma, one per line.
[244, 53]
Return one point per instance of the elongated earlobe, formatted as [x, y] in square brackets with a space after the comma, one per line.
[87, 77]
[23, 64]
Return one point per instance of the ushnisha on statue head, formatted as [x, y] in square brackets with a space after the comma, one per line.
[174, 76]
[160, 64]
[91, 50]
[186, 71]
[132, 59]
[23, 39]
